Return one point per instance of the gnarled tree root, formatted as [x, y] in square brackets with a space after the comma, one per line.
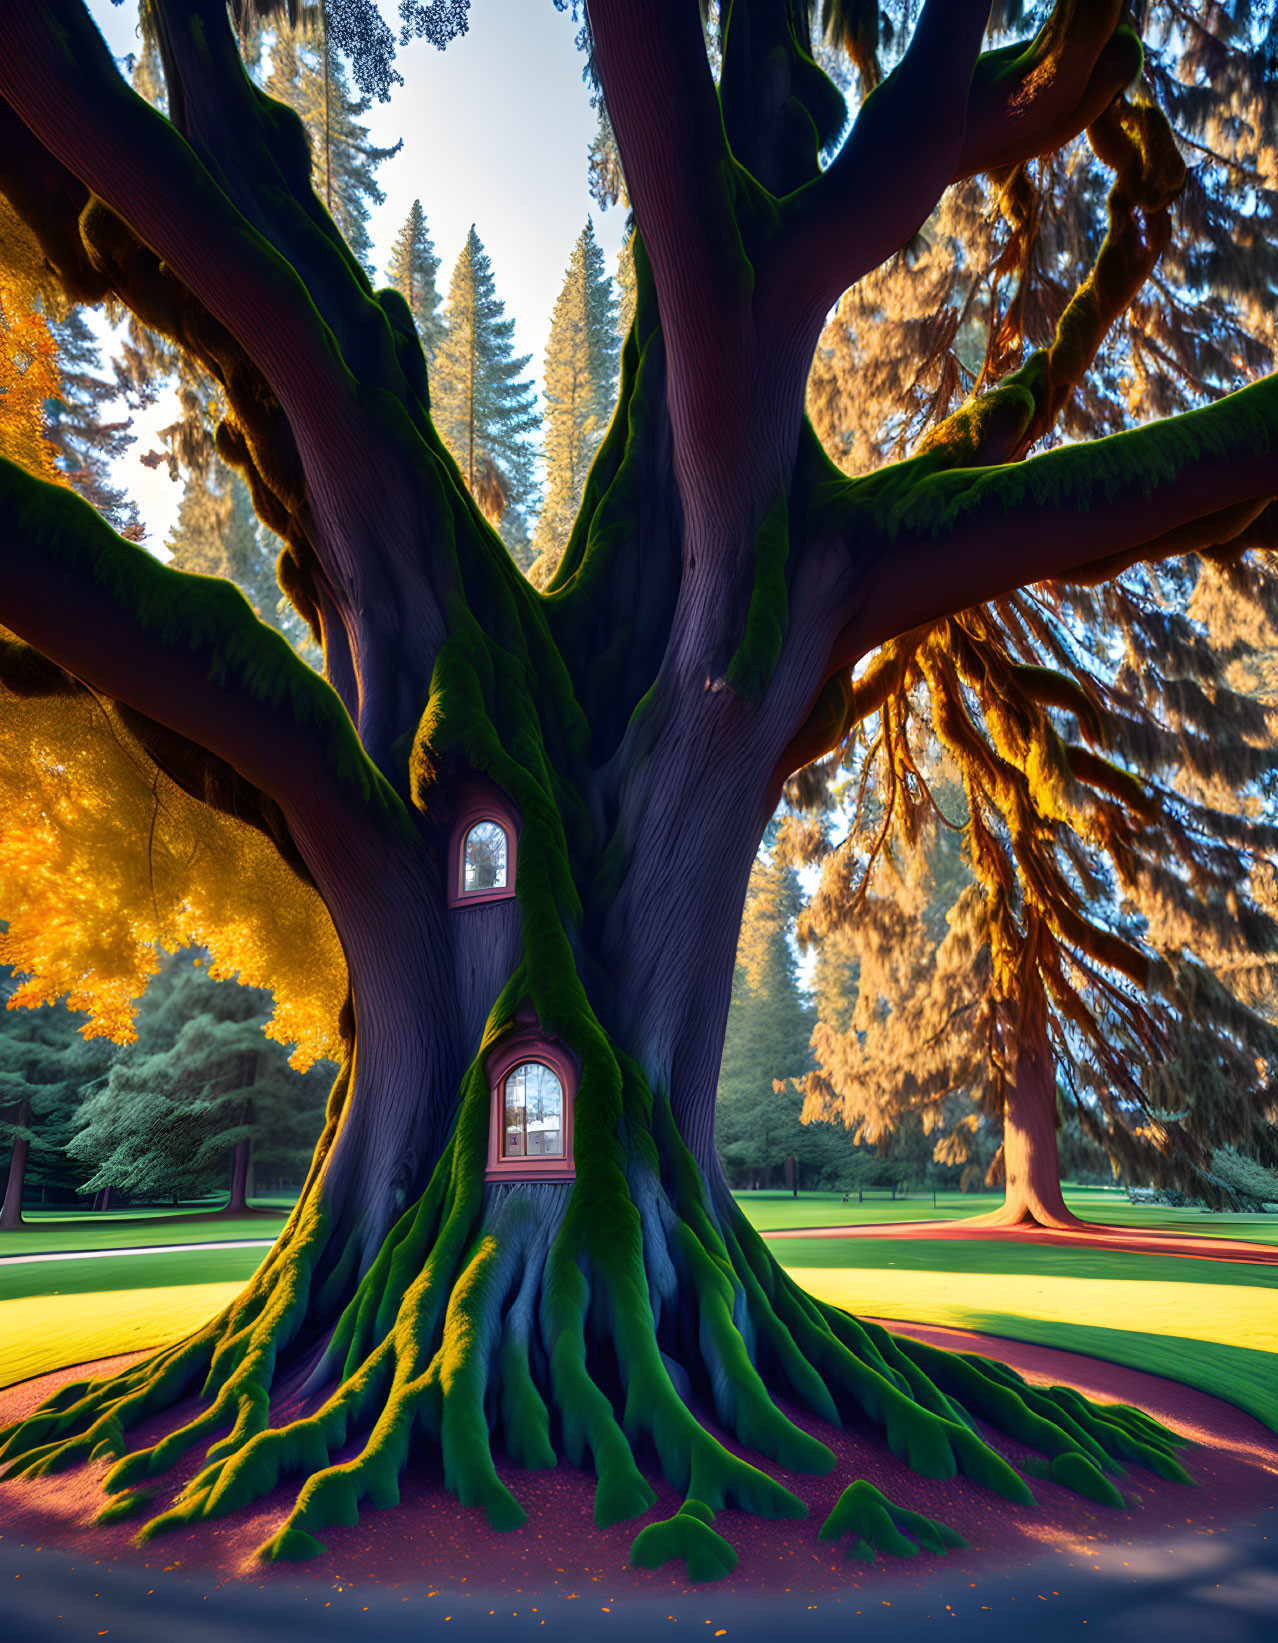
[875, 1524]
[515, 1315]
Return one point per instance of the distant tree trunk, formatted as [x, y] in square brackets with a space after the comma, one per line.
[11, 1215]
[792, 1175]
[1031, 1166]
[103, 1200]
[238, 1204]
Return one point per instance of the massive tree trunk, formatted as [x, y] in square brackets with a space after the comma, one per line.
[11, 1213]
[585, 1319]
[640, 718]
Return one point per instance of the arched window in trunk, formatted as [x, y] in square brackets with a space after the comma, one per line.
[482, 851]
[533, 1082]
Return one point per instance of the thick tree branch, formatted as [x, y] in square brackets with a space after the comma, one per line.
[941, 119]
[953, 539]
[1035, 96]
[779, 109]
[361, 493]
[62, 83]
[185, 651]
[900, 156]
[665, 112]
[685, 187]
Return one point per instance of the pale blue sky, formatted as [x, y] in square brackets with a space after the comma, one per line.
[496, 130]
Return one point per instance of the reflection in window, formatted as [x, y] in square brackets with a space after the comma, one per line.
[484, 858]
[534, 1113]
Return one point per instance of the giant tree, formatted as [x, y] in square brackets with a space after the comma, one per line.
[637, 720]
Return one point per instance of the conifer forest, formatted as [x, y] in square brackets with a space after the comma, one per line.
[819, 728]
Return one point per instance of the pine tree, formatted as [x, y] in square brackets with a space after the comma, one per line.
[411, 270]
[311, 78]
[217, 534]
[1066, 929]
[86, 444]
[758, 1132]
[44, 1062]
[482, 407]
[198, 1092]
[579, 384]
[626, 284]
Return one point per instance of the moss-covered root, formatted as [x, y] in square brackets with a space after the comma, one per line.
[688, 1538]
[875, 1524]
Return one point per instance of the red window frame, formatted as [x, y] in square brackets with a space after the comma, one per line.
[529, 1045]
[476, 808]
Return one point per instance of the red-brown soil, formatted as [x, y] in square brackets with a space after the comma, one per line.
[560, 1553]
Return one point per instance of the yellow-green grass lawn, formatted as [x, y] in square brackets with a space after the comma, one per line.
[54, 1234]
[774, 1210]
[1209, 1324]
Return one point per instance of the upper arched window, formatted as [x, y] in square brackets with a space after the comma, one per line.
[485, 855]
[483, 851]
[533, 1081]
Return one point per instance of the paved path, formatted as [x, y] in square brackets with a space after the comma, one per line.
[140, 1249]
[1221, 1586]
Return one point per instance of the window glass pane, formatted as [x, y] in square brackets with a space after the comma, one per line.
[515, 1101]
[534, 1112]
[484, 858]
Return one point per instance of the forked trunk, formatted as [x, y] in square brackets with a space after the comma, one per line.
[435, 1285]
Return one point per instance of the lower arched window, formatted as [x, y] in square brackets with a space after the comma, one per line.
[532, 1112]
[533, 1080]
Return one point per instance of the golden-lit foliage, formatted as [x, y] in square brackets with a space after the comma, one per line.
[28, 377]
[28, 353]
[1110, 766]
[1119, 901]
[104, 861]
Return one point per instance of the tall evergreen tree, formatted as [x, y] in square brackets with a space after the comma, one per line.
[85, 441]
[308, 75]
[184, 1107]
[626, 286]
[757, 1127]
[482, 405]
[44, 1063]
[216, 533]
[579, 383]
[1066, 933]
[411, 270]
